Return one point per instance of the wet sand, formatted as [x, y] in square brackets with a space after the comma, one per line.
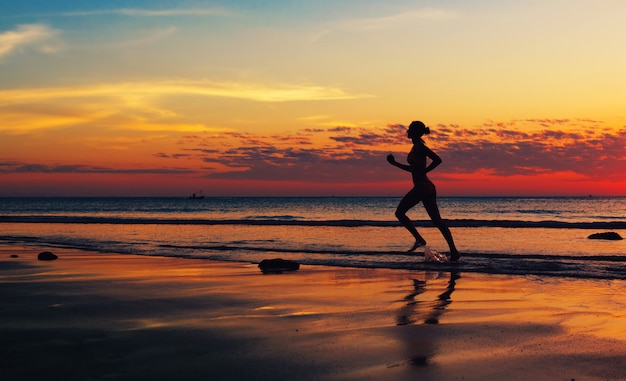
[89, 316]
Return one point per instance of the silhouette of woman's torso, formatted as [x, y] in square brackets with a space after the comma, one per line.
[417, 160]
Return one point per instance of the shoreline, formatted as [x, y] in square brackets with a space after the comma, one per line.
[116, 316]
[453, 223]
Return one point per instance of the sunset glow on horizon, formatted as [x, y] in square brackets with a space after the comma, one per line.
[282, 98]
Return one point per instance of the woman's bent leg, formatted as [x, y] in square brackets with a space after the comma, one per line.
[408, 201]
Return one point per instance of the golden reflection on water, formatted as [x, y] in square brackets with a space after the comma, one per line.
[384, 324]
[347, 297]
[594, 307]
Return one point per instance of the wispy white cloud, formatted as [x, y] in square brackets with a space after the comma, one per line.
[35, 35]
[150, 37]
[135, 12]
[399, 19]
[37, 108]
[138, 90]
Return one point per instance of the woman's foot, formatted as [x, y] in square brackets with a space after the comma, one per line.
[454, 257]
[416, 245]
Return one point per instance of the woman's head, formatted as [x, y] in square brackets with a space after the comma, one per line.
[417, 129]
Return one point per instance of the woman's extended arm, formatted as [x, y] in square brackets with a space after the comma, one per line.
[392, 161]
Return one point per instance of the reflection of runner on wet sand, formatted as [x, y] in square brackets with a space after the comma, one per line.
[430, 313]
[415, 318]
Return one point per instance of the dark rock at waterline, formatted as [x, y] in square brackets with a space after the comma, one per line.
[612, 236]
[278, 265]
[46, 256]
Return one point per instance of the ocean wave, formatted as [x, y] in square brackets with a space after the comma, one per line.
[294, 221]
[274, 218]
[538, 211]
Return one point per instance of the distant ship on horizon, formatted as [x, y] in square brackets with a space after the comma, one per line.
[196, 196]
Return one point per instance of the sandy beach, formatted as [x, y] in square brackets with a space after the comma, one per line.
[93, 316]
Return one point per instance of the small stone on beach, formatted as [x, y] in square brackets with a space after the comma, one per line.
[46, 256]
[611, 236]
[278, 265]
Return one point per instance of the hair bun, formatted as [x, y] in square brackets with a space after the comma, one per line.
[427, 130]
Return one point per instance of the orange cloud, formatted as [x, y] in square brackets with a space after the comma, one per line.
[488, 160]
[356, 154]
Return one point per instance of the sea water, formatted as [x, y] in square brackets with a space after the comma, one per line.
[518, 235]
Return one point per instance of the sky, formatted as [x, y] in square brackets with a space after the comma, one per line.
[307, 98]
